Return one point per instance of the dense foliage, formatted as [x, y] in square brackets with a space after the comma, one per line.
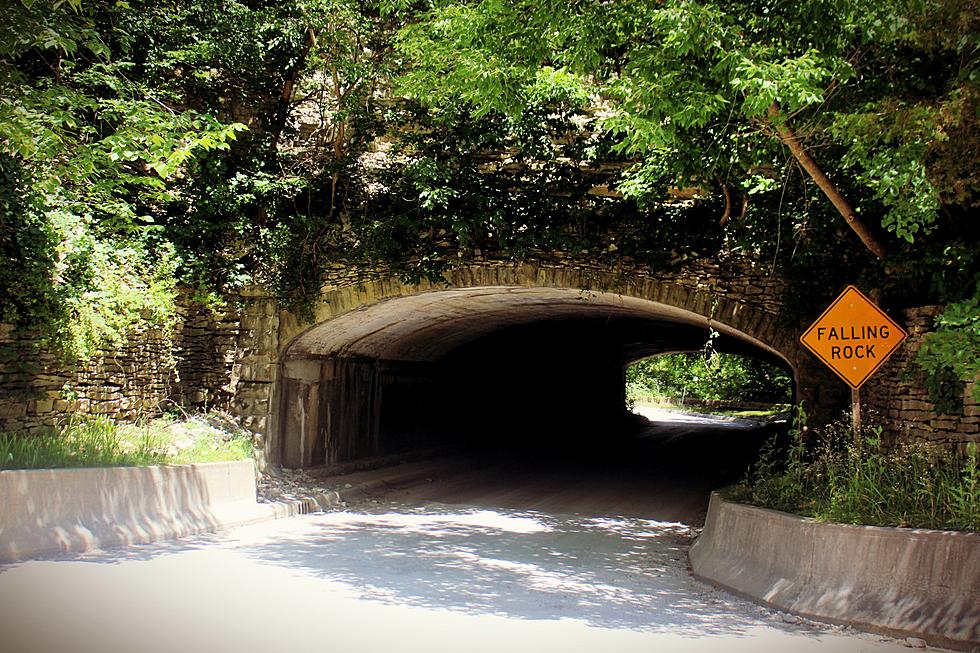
[720, 376]
[830, 474]
[148, 145]
[90, 149]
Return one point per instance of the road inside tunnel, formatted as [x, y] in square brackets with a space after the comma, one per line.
[662, 465]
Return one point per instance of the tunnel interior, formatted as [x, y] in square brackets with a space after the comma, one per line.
[536, 371]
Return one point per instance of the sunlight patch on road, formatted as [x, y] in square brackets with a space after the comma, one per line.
[636, 527]
[538, 578]
[425, 523]
[664, 415]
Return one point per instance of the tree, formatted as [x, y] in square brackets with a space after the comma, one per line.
[86, 153]
[706, 93]
[147, 144]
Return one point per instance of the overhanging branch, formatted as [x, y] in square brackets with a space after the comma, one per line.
[788, 136]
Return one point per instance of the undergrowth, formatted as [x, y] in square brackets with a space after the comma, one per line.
[100, 442]
[831, 475]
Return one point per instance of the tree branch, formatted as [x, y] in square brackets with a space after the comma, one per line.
[728, 203]
[293, 76]
[789, 138]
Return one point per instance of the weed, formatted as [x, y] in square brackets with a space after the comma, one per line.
[100, 442]
[833, 476]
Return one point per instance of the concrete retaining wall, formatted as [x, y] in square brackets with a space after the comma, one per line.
[892, 580]
[45, 511]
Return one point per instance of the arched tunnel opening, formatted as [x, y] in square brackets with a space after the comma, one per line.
[532, 378]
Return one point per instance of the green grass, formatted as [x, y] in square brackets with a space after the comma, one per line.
[778, 409]
[100, 442]
[656, 400]
[832, 476]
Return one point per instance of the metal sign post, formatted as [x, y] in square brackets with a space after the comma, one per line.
[856, 414]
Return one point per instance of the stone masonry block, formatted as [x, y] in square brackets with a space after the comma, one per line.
[11, 409]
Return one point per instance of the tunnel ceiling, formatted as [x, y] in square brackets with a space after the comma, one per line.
[430, 326]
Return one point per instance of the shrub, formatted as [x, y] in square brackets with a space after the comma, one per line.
[708, 375]
[831, 475]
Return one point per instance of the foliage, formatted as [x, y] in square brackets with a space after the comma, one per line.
[831, 475]
[100, 442]
[128, 119]
[85, 152]
[951, 354]
[80, 290]
[209, 143]
[887, 146]
[883, 94]
[446, 188]
[690, 85]
[717, 376]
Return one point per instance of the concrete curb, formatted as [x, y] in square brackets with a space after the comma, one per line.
[892, 580]
[47, 511]
[53, 511]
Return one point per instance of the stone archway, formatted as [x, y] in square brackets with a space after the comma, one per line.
[377, 347]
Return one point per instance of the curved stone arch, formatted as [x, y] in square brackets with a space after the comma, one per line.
[719, 309]
[313, 356]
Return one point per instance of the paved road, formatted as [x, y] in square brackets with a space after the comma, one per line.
[397, 578]
[412, 572]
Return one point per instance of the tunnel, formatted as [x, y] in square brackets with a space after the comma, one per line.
[534, 370]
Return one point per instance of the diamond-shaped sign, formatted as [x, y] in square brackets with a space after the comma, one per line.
[853, 337]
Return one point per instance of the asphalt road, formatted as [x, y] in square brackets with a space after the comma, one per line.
[663, 470]
[500, 557]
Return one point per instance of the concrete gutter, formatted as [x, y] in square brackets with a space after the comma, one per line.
[896, 581]
[50, 511]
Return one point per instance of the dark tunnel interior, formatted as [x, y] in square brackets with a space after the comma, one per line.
[530, 378]
[551, 382]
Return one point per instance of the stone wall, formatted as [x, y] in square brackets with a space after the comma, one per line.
[37, 390]
[896, 397]
[727, 276]
[229, 360]
[223, 359]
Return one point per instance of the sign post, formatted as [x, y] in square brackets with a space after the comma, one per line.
[856, 412]
[854, 338]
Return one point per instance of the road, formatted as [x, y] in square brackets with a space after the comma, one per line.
[516, 562]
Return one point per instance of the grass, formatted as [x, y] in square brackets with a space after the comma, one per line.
[778, 409]
[100, 442]
[652, 400]
[833, 476]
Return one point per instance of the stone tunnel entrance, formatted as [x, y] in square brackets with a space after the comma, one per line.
[530, 367]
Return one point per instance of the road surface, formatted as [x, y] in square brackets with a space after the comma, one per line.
[498, 558]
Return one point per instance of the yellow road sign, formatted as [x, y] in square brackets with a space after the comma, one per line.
[853, 337]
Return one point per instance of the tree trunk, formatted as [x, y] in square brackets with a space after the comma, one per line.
[788, 137]
[728, 203]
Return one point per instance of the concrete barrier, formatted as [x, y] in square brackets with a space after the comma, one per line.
[45, 511]
[897, 581]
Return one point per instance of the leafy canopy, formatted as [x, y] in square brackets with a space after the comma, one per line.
[688, 85]
[86, 153]
[879, 98]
